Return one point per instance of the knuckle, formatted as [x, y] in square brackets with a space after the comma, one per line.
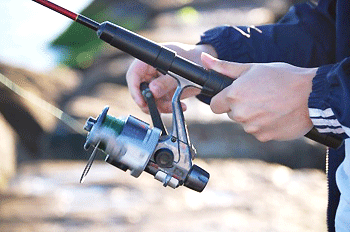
[236, 93]
[145, 110]
[251, 129]
[223, 65]
[214, 107]
[263, 137]
[233, 96]
[240, 118]
[164, 106]
[239, 115]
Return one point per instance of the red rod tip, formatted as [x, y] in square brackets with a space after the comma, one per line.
[58, 9]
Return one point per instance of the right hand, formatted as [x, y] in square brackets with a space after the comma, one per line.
[270, 100]
[163, 86]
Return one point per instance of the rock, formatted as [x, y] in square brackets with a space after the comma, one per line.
[7, 153]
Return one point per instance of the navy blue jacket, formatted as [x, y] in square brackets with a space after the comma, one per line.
[307, 36]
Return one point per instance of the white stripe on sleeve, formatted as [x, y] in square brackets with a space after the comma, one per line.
[325, 122]
[331, 130]
[314, 113]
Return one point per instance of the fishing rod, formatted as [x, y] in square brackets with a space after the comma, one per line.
[131, 144]
[165, 60]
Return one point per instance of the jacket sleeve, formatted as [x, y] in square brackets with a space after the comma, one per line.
[304, 37]
[329, 101]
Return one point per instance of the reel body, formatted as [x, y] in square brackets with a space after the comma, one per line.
[128, 143]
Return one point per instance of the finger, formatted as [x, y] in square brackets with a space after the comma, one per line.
[230, 69]
[166, 107]
[162, 86]
[137, 73]
[220, 103]
[190, 92]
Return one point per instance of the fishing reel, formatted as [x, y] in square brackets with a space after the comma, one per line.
[131, 144]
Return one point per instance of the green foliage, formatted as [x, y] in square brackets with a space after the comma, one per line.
[79, 45]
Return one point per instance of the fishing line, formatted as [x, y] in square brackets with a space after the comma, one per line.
[72, 123]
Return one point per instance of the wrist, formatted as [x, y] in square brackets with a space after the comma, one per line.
[306, 76]
[311, 72]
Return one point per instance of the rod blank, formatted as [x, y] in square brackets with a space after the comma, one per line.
[58, 9]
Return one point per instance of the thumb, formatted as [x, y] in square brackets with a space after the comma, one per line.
[230, 69]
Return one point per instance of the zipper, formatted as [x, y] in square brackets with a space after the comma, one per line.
[328, 190]
[333, 159]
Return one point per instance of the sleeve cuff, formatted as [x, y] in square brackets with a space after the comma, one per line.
[320, 88]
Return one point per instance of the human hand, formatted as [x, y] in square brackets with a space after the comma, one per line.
[269, 100]
[163, 86]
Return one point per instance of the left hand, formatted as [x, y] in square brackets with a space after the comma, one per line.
[270, 100]
[163, 86]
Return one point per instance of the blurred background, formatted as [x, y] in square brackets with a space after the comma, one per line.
[55, 74]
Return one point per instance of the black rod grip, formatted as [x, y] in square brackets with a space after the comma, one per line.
[165, 60]
[162, 58]
[325, 139]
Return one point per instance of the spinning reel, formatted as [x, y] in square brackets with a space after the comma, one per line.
[131, 144]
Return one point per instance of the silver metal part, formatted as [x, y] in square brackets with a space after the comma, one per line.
[178, 141]
[138, 149]
[132, 148]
